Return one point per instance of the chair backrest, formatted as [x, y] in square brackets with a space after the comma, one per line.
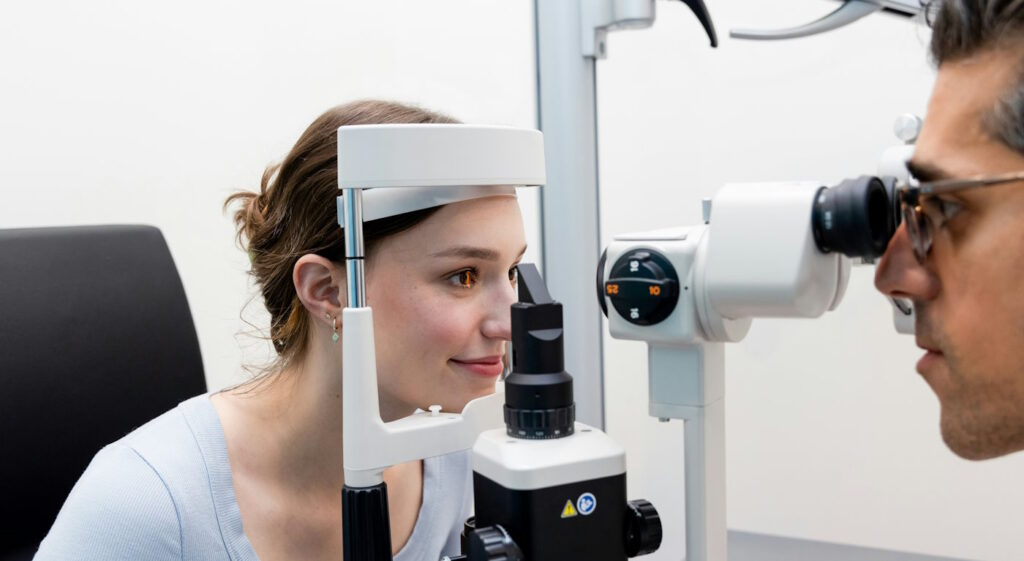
[96, 338]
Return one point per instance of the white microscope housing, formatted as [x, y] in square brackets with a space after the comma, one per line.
[755, 256]
[764, 250]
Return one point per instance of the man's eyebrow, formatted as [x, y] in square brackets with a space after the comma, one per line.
[472, 252]
[926, 172]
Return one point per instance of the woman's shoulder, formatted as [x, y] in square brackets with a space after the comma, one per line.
[167, 447]
[118, 509]
[130, 502]
[174, 443]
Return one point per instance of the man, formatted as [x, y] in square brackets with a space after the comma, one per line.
[967, 284]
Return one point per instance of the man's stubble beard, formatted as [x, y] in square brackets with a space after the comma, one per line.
[979, 420]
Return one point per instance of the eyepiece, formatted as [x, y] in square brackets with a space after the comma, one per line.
[854, 218]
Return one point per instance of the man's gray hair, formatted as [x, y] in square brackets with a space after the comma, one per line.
[963, 28]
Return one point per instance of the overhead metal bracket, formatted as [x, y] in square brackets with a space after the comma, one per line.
[849, 12]
[598, 17]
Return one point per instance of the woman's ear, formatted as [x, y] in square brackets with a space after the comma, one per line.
[320, 285]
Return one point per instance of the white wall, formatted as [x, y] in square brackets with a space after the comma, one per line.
[832, 434]
[141, 112]
[148, 113]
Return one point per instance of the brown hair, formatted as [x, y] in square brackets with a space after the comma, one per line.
[964, 28]
[294, 214]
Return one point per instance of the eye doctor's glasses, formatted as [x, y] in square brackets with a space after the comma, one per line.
[924, 213]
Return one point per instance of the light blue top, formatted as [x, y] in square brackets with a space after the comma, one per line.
[164, 492]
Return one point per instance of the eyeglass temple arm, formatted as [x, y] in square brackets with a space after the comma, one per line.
[947, 185]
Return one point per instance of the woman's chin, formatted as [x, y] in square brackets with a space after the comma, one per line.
[469, 395]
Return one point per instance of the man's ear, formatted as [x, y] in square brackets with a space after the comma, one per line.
[320, 285]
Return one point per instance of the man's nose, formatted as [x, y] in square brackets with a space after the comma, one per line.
[900, 275]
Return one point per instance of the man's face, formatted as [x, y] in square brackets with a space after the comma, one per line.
[969, 293]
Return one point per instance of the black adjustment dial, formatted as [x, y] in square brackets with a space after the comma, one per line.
[492, 544]
[643, 287]
[643, 528]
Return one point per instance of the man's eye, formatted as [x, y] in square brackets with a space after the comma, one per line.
[940, 210]
[949, 209]
[464, 279]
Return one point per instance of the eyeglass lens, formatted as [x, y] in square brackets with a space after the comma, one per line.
[917, 227]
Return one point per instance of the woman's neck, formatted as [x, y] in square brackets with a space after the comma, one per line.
[284, 439]
[289, 427]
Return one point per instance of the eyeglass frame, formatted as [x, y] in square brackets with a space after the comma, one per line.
[919, 223]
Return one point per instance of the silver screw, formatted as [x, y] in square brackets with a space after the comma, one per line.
[907, 127]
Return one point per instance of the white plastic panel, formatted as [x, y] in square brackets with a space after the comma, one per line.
[761, 258]
[375, 156]
[536, 464]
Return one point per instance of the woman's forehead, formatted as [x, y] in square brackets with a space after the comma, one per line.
[477, 228]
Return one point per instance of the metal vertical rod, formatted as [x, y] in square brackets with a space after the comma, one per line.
[569, 207]
[704, 448]
[354, 271]
[688, 382]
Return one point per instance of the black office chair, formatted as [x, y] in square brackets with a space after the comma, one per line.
[96, 338]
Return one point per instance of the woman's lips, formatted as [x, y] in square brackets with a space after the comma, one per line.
[490, 367]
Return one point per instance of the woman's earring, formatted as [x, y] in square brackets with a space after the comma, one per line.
[334, 325]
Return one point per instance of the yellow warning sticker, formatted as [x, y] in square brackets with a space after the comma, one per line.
[569, 511]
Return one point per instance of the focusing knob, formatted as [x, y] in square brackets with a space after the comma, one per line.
[540, 424]
[643, 528]
[643, 287]
[492, 544]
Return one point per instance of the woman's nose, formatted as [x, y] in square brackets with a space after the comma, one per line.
[498, 321]
[900, 275]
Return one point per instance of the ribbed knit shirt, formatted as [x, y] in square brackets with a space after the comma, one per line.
[164, 492]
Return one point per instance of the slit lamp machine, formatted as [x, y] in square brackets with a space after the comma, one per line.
[546, 486]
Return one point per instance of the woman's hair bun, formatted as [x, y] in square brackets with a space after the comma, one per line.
[294, 214]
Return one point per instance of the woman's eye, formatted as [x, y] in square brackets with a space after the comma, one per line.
[513, 275]
[464, 279]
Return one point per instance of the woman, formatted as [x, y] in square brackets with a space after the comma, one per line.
[256, 471]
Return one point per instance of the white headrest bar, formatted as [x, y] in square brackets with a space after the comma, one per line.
[379, 156]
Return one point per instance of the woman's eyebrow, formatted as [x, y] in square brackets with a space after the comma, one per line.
[471, 252]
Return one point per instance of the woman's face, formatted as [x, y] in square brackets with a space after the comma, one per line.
[440, 294]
